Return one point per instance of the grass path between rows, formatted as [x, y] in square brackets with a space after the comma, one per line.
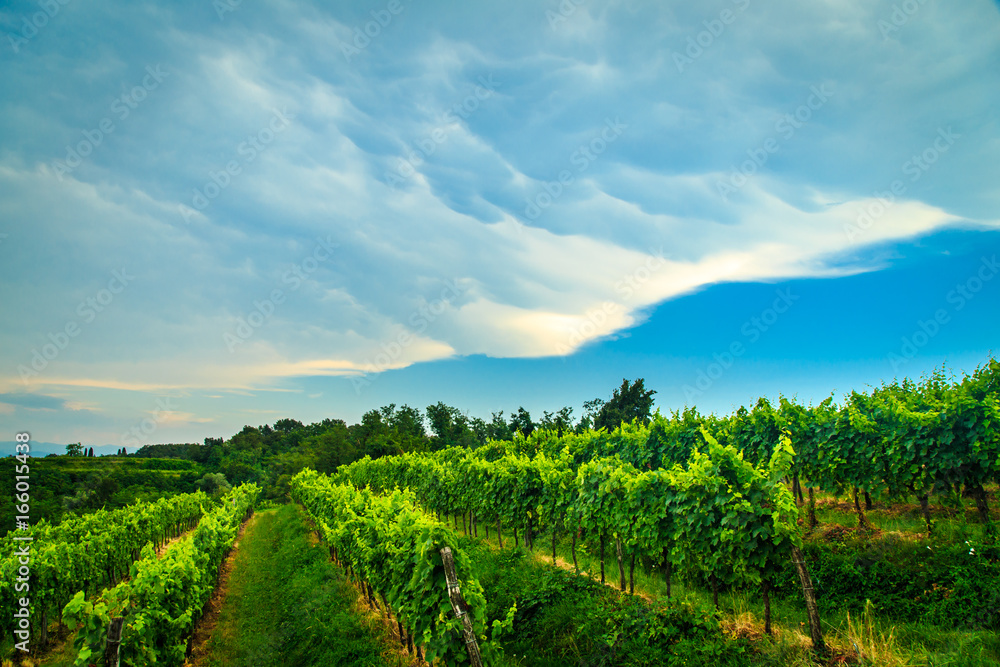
[282, 603]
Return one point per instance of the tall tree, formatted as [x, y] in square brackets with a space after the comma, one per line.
[590, 411]
[498, 428]
[406, 421]
[287, 425]
[563, 421]
[559, 422]
[372, 436]
[450, 427]
[480, 429]
[249, 439]
[333, 447]
[629, 402]
[521, 422]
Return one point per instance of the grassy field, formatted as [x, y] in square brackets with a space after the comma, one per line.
[285, 604]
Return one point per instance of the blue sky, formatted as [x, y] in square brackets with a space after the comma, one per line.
[218, 214]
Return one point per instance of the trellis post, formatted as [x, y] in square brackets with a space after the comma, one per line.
[460, 608]
[111, 657]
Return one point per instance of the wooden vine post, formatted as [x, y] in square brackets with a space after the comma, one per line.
[111, 658]
[460, 608]
[810, 597]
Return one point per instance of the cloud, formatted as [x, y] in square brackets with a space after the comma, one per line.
[33, 401]
[447, 262]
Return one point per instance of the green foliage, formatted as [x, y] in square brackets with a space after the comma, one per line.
[214, 483]
[396, 548]
[286, 606]
[66, 485]
[713, 512]
[563, 618]
[89, 552]
[951, 585]
[521, 423]
[163, 596]
[450, 427]
[629, 403]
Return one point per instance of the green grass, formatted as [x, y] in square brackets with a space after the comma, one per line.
[62, 654]
[567, 620]
[286, 605]
[954, 519]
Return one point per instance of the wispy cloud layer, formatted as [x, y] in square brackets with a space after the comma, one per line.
[198, 200]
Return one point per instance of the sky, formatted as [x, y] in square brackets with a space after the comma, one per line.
[223, 213]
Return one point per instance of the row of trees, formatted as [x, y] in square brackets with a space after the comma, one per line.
[77, 449]
[271, 454]
[935, 436]
[451, 428]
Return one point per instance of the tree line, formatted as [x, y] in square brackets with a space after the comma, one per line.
[271, 454]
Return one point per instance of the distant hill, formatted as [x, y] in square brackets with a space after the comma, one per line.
[81, 484]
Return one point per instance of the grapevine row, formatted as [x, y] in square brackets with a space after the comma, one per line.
[88, 553]
[163, 597]
[716, 512]
[907, 438]
[394, 547]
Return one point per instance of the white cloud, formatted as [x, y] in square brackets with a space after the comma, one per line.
[586, 268]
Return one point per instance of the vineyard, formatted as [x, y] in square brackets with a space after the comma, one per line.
[761, 537]
[395, 549]
[88, 553]
[715, 499]
[712, 499]
[102, 574]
